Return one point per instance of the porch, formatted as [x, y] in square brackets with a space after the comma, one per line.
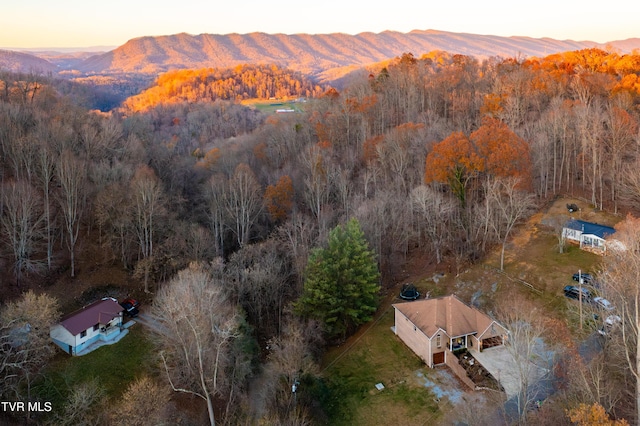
[110, 336]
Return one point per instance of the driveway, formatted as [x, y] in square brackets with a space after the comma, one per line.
[500, 363]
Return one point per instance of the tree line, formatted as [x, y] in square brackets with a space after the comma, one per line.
[209, 84]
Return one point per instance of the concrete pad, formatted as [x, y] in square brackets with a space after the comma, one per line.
[501, 365]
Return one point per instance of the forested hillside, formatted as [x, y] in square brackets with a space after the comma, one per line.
[315, 54]
[239, 83]
[231, 218]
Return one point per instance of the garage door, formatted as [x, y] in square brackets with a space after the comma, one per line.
[438, 358]
[491, 342]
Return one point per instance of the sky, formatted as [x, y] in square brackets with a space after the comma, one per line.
[85, 23]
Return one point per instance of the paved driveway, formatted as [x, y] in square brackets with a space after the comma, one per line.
[499, 362]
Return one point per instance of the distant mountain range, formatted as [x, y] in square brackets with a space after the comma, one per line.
[319, 55]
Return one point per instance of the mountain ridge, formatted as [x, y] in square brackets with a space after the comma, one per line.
[312, 54]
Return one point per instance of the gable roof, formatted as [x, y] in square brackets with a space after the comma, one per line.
[601, 231]
[447, 313]
[100, 312]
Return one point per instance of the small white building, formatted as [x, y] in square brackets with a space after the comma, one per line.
[99, 321]
[589, 236]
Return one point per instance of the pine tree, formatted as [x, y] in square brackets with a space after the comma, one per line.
[342, 282]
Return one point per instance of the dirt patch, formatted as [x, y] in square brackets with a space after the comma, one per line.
[442, 384]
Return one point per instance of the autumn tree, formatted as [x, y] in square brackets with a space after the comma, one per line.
[592, 415]
[279, 198]
[453, 162]
[196, 325]
[492, 150]
[342, 282]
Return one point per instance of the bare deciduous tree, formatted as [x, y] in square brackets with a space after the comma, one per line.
[82, 405]
[195, 325]
[260, 275]
[25, 345]
[22, 222]
[290, 360]
[621, 277]
[214, 193]
[145, 402]
[510, 204]
[71, 173]
[146, 194]
[526, 329]
[434, 212]
[45, 172]
[243, 202]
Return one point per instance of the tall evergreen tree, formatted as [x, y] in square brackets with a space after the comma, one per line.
[342, 282]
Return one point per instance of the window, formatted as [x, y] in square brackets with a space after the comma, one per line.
[83, 334]
[96, 327]
[438, 341]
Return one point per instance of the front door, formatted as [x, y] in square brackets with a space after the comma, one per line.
[438, 358]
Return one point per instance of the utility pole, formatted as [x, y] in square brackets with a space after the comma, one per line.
[580, 294]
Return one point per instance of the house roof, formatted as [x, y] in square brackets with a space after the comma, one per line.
[601, 231]
[447, 313]
[100, 312]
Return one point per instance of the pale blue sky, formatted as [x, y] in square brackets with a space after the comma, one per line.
[81, 23]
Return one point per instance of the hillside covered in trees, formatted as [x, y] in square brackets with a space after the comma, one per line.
[239, 83]
[218, 210]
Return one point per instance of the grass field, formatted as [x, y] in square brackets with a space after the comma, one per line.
[378, 356]
[113, 367]
[271, 106]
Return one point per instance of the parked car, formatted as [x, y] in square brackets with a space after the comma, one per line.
[132, 302]
[603, 303]
[608, 324]
[130, 307]
[573, 292]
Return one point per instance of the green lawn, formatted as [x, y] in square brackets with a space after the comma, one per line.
[112, 366]
[271, 106]
[378, 356]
